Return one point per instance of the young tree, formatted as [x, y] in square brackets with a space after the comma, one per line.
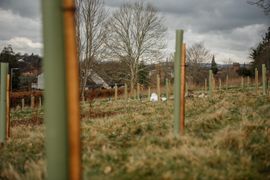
[91, 36]
[136, 34]
[214, 67]
[197, 56]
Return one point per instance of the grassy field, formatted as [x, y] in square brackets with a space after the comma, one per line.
[227, 137]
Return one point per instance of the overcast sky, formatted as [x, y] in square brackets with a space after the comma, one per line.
[228, 28]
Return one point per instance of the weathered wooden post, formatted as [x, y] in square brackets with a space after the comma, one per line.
[62, 108]
[256, 80]
[115, 92]
[205, 85]
[3, 101]
[248, 82]
[32, 101]
[219, 84]
[126, 92]
[242, 82]
[264, 78]
[22, 101]
[40, 102]
[210, 88]
[167, 89]
[227, 81]
[179, 84]
[149, 93]
[138, 91]
[158, 87]
[186, 89]
[8, 106]
[183, 84]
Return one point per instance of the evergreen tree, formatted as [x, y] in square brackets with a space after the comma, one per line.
[214, 67]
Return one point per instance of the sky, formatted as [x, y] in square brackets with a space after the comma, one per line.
[228, 28]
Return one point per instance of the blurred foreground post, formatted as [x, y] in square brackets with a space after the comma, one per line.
[264, 78]
[183, 84]
[149, 93]
[62, 108]
[178, 84]
[3, 101]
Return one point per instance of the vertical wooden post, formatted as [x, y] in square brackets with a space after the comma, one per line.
[178, 62]
[264, 78]
[22, 103]
[3, 101]
[227, 82]
[210, 88]
[126, 92]
[167, 89]
[138, 91]
[214, 82]
[219, 86]
[158, 87]
[32, 101]
[149, 93]
[8, 106]
[186, 88]
[62, 108]
[183, 84]
[242, 82]
[115, 92]
[256, 80]
[248, 81]
[205, 85]
[40, 102]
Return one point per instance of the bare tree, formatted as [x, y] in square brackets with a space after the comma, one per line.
[136, 34]
[264, 4]
[197, 56]
[91, 17]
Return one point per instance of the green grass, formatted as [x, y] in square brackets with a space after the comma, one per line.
[227, 137]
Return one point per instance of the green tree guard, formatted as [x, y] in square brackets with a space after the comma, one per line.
[177, 80]
[138, 91]
[3, 101]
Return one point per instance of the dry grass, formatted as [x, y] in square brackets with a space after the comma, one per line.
[227, 137]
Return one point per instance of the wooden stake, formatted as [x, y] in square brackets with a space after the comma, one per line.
[264, 78]
[126, 92]
[158, 87]
[22, 103]
[149, 93]
[210, 83]
[219, 87]
[205, 85]
[115, 92]
[138, 91]
[182, 99]
[227, 81]
[8, 106]
[32, 101]
[256, 80]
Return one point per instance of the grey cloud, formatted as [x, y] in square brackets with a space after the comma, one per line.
[25, 8]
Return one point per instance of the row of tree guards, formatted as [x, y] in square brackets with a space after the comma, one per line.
[212, 86]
